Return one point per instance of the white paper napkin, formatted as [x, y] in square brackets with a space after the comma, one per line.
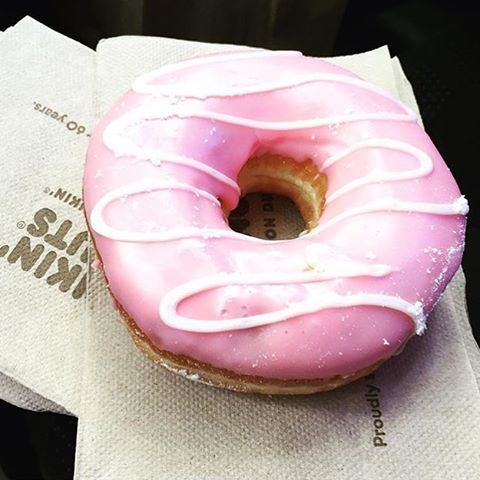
[416, 417]
[17, 394]
[46, 85]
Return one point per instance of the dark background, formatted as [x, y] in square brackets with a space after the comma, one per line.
[437, 41]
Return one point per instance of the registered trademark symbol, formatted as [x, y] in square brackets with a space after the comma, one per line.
[46, 190]
[21, 224]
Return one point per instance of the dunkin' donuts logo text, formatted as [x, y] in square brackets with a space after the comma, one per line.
[51, 249]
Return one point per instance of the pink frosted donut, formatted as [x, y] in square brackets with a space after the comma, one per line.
[293, 316]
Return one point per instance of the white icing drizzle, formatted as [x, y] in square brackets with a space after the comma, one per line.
[281, 84]
[425, 165]
[168, 308]
[458, 207]
[113, 137]
[291, 125]
[98, 223]
[101, 227]
[120, 144]
[142, 84]
[388, 204]
[164, 112]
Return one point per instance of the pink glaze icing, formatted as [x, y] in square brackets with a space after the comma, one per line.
[165, 158]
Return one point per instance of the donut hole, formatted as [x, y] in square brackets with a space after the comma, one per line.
[281, 198]
[267, 215]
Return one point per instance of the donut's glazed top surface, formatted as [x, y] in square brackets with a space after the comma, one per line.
[165, 158]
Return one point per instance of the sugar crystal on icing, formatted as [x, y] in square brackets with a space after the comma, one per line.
[461, 205]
